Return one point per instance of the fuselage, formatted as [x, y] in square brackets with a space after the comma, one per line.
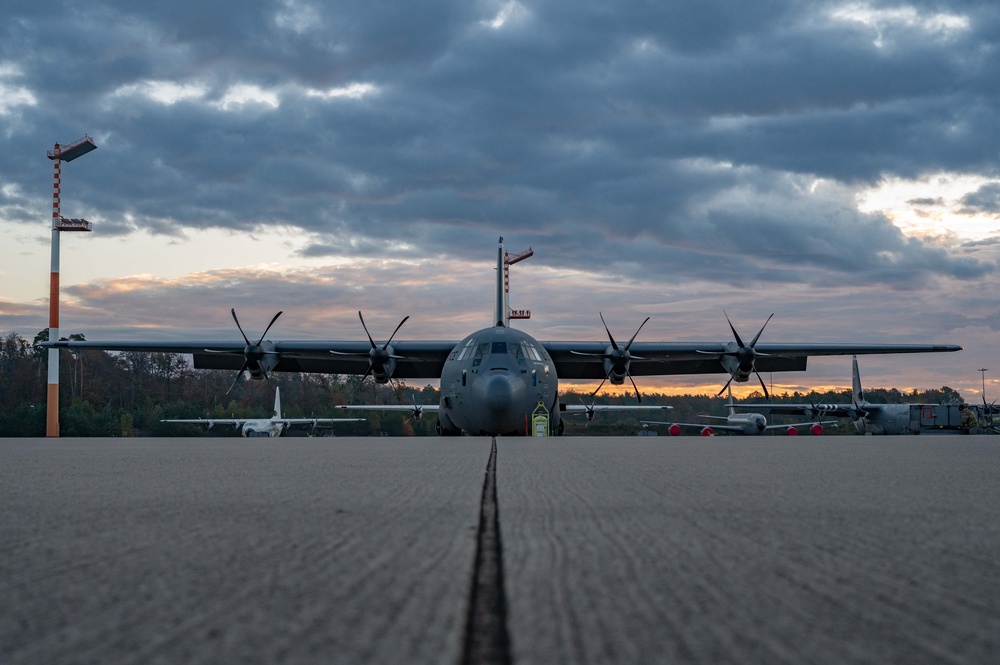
[749, 423]
[267, 427]
[495, 381]
[885, 419]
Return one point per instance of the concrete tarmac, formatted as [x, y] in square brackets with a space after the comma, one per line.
[639, 549]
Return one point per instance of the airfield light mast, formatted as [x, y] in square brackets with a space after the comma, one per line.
[60, 154]
[508, 261]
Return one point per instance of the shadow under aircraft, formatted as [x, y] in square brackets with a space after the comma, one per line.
[500, 380]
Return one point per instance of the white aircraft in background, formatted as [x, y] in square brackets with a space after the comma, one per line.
[750, 424]
[273, 426]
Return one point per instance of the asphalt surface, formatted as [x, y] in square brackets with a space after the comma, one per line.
[639, 549]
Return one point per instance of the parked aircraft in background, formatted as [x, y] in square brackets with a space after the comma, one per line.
[499, 380]
[871, 418]
[750, 424]
[273, 426]
[416, 410]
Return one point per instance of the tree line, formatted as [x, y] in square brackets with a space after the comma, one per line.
[128, 393]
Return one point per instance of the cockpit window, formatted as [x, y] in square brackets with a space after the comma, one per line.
[467, 349]
[499, 348]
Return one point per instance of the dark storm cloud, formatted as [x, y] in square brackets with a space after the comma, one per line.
[615, 135]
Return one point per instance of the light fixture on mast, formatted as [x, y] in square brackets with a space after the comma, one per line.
[58, 155]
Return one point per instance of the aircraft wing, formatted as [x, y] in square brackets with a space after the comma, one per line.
[391, 407]
[419, 359]
[700, 426]
[235, 422]
[287, 422]
[797, 425]
[579, 360]
[583, 408]
[573, 360]
[808, 410]
[415, 411]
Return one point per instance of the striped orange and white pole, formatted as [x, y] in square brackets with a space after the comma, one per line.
[52, 405]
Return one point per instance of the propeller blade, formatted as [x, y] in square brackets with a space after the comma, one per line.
[731, 327]
[233, 311]
[599, 386]
[766, 395]
[757, 336]
[613, 344]
[265, 329]
[366, 329]
[636, 334]
[638, 395]
[405, 318]
[238, 377]
[725, 386]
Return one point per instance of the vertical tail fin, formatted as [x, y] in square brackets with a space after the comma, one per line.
[857, 397]
[500, 312]
[277, 402]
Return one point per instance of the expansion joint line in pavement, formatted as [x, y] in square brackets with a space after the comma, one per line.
[486, 639]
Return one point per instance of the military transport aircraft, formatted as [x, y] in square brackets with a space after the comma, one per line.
[750, 424]
[273, 426]
[869, 418]
[500, 380]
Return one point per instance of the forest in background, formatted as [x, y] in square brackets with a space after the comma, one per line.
[128, 393]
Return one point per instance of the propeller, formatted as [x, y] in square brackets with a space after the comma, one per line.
[617, 360]
[590, 411]
[253, 353]
[380, 358]
[745, 355]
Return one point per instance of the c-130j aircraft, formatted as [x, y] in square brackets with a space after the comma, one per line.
[494, 380]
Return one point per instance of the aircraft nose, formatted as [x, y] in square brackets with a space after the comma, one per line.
[502, 395]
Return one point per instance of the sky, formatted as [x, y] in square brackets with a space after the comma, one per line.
[834, 163]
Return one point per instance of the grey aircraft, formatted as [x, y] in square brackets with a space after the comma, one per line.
[870, 418]
[500, 380]
[748, 424]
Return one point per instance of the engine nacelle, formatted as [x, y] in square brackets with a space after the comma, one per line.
[616, 375]
[791, 431]
[674, 430]
[259, 370]
[816, 429]
[707, 431]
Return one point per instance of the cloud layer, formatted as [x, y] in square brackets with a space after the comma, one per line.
[662, 160]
